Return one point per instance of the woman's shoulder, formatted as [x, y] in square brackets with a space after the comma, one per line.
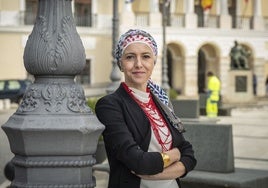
[109, 104]
[112, 98]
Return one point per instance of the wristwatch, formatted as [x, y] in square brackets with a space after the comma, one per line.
[166, 159]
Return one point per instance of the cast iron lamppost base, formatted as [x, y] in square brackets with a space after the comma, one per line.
[53, 134]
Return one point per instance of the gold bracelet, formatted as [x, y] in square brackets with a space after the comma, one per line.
[166, 159]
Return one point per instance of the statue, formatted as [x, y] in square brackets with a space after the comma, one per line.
[239, 57]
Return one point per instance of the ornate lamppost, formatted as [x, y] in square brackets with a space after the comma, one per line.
[53, 134]
[165, 84]
[115, 74]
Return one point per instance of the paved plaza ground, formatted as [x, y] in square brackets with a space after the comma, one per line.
[250, 138]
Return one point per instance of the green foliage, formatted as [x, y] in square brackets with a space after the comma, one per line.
[173, 94]
[91, 102]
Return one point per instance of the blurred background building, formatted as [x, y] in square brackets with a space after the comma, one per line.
[199, 35]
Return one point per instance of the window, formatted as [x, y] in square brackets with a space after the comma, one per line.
[13, 85]
[198, 9]
[83, 14]
[2, 85]
[232, 11]
[30, 12]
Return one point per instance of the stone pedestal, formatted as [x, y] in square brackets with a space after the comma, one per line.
[186, 108]
[240, 88]
[213, 146]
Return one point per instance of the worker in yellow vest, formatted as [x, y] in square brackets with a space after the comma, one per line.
[213, 95]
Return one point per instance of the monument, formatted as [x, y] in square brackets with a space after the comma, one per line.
[239, 57]
[240, 75]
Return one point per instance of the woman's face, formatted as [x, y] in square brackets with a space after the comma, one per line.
[137, 63]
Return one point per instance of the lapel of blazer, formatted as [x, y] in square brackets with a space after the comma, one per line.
[137, 119]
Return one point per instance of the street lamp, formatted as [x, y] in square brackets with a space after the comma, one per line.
[115, 74]
[165, 84]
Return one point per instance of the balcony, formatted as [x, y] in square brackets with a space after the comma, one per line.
[28, 18]
[206, 21]
[143, 19]
[243, 22]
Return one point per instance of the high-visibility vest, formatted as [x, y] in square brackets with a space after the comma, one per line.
[214, 86]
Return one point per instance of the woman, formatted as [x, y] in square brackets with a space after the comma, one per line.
[143, 137]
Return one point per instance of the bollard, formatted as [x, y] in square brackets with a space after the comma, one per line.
[53, 134]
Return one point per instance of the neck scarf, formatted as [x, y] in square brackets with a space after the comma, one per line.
[162, 99]
[158, 91]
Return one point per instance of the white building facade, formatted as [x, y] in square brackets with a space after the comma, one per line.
[197, 40]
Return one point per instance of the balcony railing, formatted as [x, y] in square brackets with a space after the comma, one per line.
[243, 22]
[143, 19]
[28, 18]
[85, 21]
[177, 20]
[211, 21]
[174, 20]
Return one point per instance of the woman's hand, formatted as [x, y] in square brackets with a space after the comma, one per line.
[173, 169]
[174, 155]
[171, 156]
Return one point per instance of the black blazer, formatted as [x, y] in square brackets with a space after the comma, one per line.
[127, 136]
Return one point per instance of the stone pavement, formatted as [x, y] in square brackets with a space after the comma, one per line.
[250, 138]
[250, 135]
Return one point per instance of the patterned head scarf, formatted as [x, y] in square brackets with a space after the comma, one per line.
[137, 35]
[133, 36]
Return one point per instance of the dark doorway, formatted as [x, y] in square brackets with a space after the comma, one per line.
[201, 71]
[170, 67]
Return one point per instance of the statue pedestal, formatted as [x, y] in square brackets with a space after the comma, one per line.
[239, 86]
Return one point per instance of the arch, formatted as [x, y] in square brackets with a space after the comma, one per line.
[208, 60]
[176, 66]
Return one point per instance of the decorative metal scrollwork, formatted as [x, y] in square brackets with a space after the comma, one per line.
[53, 95]
[31, 100]
[77, 101]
